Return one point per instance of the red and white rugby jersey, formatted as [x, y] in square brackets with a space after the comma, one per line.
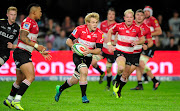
[104, 28]
[153, 23]
[126, 35]
[30, 26]
[147, 34]
[85, 37]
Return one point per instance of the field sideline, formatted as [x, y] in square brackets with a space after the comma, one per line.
[40, 97]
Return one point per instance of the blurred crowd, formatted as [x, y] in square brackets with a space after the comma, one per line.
[53, 34]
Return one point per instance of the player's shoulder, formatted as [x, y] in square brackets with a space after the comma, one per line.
[153, 19]
[29, 20]
[104, 22]
[136, 26]
[120, 24]
[3, 21]
[145, 26]
[81, 27]
[16, 26]
[99, 31]
[117, 25]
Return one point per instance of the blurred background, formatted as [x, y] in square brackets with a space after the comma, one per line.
[60, 17]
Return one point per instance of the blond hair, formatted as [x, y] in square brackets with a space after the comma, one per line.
[91, 15]
[11, 8]
[128, 11]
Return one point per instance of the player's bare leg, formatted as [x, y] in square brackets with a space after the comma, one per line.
[143, 61]
[109, 75]
[156, 83]
[68, 83]
[119, 80]
[83, 81]
[95, 59]
[15, 88]
[28, 70]
[139, 72]
[139, 76]
[121, 65]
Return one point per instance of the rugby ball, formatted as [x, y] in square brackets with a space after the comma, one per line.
[79, 49]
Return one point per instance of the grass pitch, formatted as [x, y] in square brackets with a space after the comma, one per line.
[40, 97]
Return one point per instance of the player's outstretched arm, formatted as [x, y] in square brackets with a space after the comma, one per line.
[46, 55]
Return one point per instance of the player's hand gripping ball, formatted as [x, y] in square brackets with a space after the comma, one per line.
[79, 49]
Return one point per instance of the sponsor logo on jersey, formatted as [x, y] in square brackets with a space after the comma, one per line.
[134, 30]
[14, 30]
[127, 31]
[26, 26]
[89, 36]
[102, 35]
[121, 28]
[3, 27]
[4, 34]
[84, 32]
[9, 28]
[95, 35]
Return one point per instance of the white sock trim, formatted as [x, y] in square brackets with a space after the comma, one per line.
[18, 98]
[26, 82]
[15, 85]
[11, 98]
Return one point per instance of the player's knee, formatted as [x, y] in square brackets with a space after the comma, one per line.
[83, 69]
[84, 72]
[120, 59]
[108, 70]
[1, 61]
[75, 81]
[109, 74]
[31, 79]
[146, 69]
[141, 64]
[108, 65]
[94, 64]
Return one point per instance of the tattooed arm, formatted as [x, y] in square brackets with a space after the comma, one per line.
[26, 40]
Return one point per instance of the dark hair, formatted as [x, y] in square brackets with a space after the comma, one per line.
[32, 5]
[140, 10]
[111, 9]
[171, 38]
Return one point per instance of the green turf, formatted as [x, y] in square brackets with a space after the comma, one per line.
[40, 97]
